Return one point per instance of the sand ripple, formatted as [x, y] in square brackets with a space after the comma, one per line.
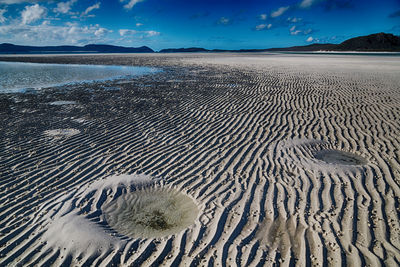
[283, 159]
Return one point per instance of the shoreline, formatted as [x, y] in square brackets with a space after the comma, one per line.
[389, 53]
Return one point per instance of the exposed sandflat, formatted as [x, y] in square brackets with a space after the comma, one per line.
[254, 141]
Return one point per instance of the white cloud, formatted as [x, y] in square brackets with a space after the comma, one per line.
[260, 27]
[32, 13]
[100, 32]
[139, 34]
[224, 21]
[46, 34]
[307, 3]
[310, 39]
[152, 33]
[263, 16]
[91, 8]
[64, 7]
[2, 18]
[131, 3]
[279, 11]
[124, 32]
[294, 20]
[263, 27]
[294, 31]
[308, 31]
[139, 24]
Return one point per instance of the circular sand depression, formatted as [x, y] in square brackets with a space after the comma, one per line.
[150, 213]
[339, 157]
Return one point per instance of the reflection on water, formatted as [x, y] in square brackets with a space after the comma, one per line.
[19, 77]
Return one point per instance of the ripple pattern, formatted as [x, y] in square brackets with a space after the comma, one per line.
[238, 135]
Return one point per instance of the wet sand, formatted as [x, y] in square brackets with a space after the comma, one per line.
[289, 159]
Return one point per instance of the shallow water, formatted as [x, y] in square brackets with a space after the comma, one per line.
[339, 157]
[19, 77]
[148, 214]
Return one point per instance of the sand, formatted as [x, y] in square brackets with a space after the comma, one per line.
[267, 159]
[60, 133]
[62, 102]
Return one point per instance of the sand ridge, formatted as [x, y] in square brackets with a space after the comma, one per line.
[238, 134]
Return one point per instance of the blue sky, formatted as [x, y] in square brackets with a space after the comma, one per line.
[219, 24]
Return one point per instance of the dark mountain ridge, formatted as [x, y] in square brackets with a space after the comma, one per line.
[184, 50]
[378, 42]
[373, 42]
[91, 48]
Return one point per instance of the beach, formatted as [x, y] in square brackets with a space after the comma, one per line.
[237, 159]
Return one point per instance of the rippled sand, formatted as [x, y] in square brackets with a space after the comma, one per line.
[225, 159]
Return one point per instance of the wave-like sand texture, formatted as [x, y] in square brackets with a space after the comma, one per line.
[290, 159]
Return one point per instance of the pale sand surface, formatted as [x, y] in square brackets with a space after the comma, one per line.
[264, 159]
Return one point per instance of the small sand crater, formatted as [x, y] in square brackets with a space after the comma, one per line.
[339, 157]
[150, 213]
[59, 133]
[318, 155]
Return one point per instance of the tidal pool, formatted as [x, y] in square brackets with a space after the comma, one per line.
[340, 157]
[16, 77]
[150, 213]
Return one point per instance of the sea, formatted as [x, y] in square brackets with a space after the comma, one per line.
[16, 77]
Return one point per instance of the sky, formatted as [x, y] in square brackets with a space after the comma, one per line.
[218, 24]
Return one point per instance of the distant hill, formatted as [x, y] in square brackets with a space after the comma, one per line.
[306, 48]
[378, 42]
[374, 42]
[199, 49]
[184, 50]
[91, 48]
